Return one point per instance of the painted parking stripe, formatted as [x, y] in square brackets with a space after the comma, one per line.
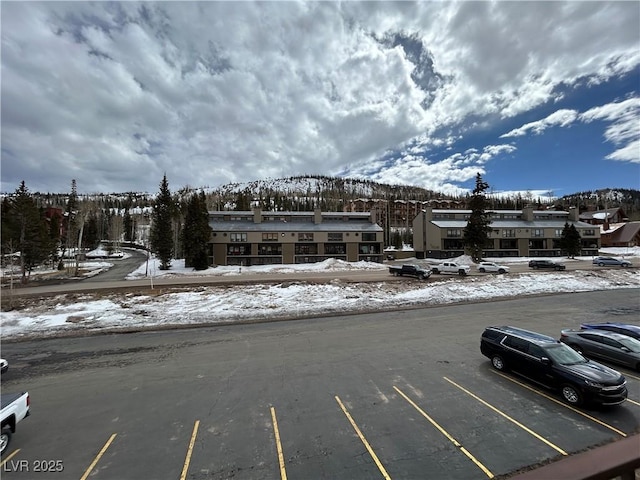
[364, 440]
[633, 401]
[192, 442]
[586, 415]
[98, 457]
[446, 434]
[283, 472]
[13, 454]
[514, 421]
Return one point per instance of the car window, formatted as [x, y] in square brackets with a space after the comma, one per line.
[592, 337]
[517, 343]
[564, 355]
[536, 351]
[610, 341]
[631, 343]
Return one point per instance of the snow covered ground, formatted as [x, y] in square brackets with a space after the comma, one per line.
[225, 304]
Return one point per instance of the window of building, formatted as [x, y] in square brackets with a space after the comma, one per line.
[454, 232]
[306, 249]
[269, 249]
[365, 249]
[558, 232]
[589, 233]
[368, 237]
[335, 236]
[335, 248]
[305, 237]
[537, 232]
[508, 233]
[237, 250]
[270, 237]
[238, 237]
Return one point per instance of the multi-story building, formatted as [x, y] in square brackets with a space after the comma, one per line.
[264, 238]
[514, 233]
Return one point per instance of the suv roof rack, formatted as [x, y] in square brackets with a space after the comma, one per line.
[526, 334]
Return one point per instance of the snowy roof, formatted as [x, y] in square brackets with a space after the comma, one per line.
[295, 227]
[559, 223]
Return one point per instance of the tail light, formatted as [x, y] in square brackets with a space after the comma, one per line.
[28, 401]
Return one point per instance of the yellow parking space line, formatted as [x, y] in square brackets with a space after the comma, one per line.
[192, 442]
[283, 472]
[526, 429]
[13, 454]
[633, 401]
[586, 415]
[98, 457]
[364, 440]
[446, 434]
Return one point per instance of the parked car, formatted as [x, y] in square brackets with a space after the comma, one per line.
[4, 365]
[604, 261]
[610, 346]
[409, 270]
[554, 365]
[492, 267]
[535, 264]
[624, 328]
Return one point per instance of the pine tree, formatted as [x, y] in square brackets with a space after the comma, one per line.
[570, 242]
[128, 226]
[476, 233]
[161, 228]
[196, 233]
[28, 231]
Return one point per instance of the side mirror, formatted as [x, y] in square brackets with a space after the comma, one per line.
[545, 361]
[624, 349]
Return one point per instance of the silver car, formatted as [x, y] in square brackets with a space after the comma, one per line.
[604, 345]
[604, 261]
[492, 267]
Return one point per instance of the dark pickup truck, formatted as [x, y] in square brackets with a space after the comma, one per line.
[410, 271]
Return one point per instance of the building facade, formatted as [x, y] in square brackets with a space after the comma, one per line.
[266, 238]
[514, 233]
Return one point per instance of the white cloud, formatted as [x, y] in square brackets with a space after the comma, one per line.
[217, 92]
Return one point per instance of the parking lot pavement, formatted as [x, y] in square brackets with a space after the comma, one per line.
[398, 395]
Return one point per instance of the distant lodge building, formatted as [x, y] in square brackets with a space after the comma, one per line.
[437, 233]
[615, 228]
[266, 238]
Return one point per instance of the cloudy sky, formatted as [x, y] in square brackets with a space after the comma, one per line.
[536, 96]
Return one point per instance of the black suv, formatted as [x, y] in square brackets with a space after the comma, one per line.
[535, 264]
[552, 364]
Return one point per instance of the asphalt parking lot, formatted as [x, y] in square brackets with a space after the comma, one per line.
[403, 394]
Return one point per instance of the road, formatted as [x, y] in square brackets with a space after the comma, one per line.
[405, 394]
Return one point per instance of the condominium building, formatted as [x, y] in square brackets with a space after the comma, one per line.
[265, 238]
[514, 233]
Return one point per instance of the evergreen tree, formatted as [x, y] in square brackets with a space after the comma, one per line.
[128, 226]
[161, 227]
[196, 233]
[570, 242]
[70, 217]
[476, 233]
[28, 231]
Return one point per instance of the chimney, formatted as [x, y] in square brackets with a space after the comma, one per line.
[257, 215]
[574, 214]
[527, 213]
[317, 216]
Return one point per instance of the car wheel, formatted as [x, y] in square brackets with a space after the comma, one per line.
[601, 264]
[535, 267]
[421, 276]
[501, 270]
[5, 439]
[624, 265]
[462, 273]
[435, 270]
[571, 395]
[481, 270]
[498, 363]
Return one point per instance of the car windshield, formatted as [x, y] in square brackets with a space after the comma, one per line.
[631, 343]
[564, 355]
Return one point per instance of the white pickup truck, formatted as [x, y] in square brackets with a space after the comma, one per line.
[451, 267]
[15, 408]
